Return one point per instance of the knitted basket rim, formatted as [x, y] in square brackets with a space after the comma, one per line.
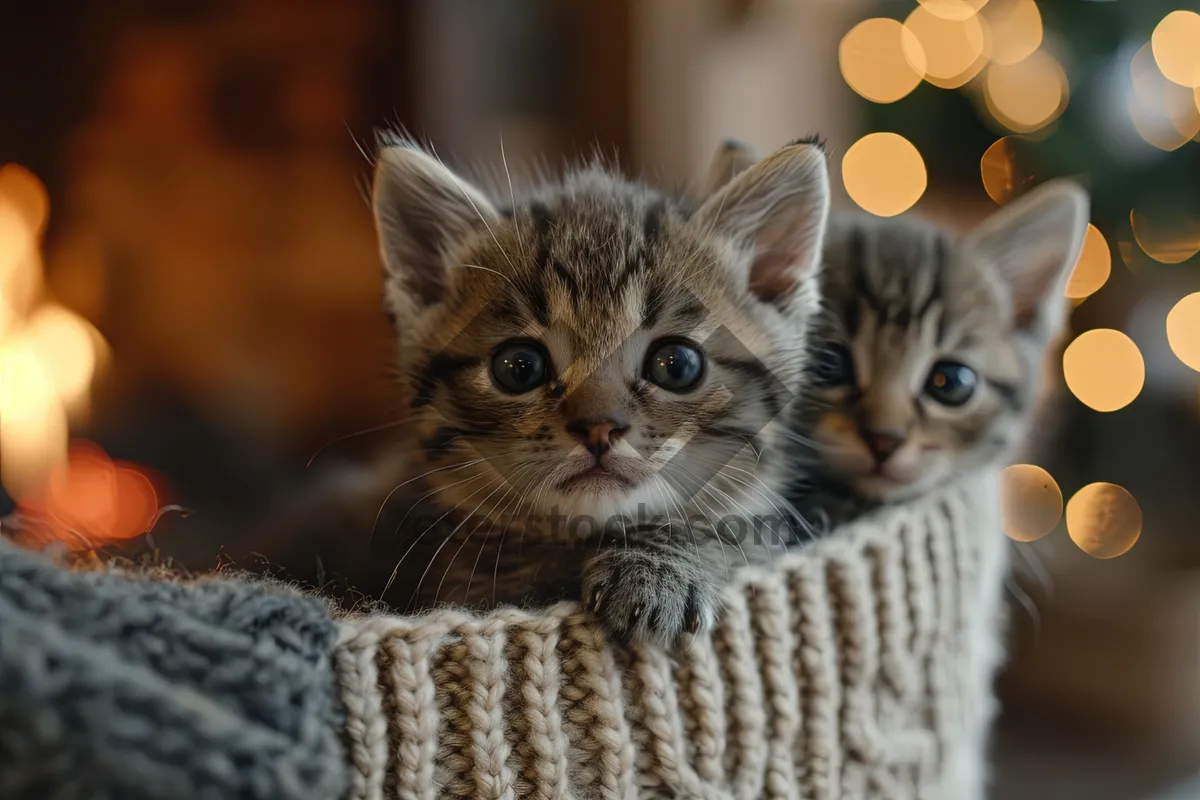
[857, 666]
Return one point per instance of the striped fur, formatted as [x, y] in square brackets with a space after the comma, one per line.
[595, 269]
[902, 295]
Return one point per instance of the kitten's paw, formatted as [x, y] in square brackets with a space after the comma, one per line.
[649, 595]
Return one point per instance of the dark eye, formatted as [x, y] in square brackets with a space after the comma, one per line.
[950, 383]
[834, 366]
[520, 367]
[674, 365]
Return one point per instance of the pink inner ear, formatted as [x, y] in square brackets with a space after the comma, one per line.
[772, 276]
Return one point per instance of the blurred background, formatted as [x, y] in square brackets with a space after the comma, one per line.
[190, 300]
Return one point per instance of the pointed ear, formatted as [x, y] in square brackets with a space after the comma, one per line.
[422, 211]
[1032, 245]
[775, 209]
[732, 159]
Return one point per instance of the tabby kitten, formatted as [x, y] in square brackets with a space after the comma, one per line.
[931, 345]
[595, 376]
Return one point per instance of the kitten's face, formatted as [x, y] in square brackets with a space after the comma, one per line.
[596, 350]
[931, 364]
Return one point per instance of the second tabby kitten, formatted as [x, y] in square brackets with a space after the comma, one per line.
[930, 347]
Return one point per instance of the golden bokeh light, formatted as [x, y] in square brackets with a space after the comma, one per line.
[1167, 237]
[1104, 369]
[1104, 520]
[33, 425]
[1005, 170]
[1163, 113]
[884, 174]
[953, 9]
[1031, 502]
[1183, 330]
[881, 60]
[1016, 28]
[1028, 95]
[48, 355]
[64, 344]
[1176, 45]
[955, 48]
[1093, 267]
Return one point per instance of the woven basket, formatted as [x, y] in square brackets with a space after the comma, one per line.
[859, 667]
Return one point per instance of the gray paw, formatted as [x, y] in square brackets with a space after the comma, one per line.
[650, 594]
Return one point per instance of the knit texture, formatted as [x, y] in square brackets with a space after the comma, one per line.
[859, 667]
[123, 688]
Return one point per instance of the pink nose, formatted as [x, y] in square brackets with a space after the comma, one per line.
[883, 443]
[597, 436]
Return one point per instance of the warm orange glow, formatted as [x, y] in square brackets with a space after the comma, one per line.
[1016, 27]
[1166, 237]
[48, 355]
[884, 174]
[33, 426]
[91, 500]
[1004, 173]
[1104, 369]
[1028, 95]
[881, 60]
[1183, 330]
[953, 9]
[63, 343]
[1093, 267]
[1163, 113]
[23, 208]
[1176, 44]
[1032, 503]
[955, 46]
[1104, 520]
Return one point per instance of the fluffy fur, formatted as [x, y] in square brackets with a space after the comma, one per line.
[506, 500]
[902, 297]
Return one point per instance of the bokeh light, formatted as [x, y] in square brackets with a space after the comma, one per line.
[1166, 236]
[1005, 170]
[90, 500]
[33, 424]
[1031, 502]
[1183, 330]
[1092, 269]
[954, 45]
[884, 174]
[1163, 113]
[1104, 369]
[1027, 95]
[48, 355]
[953, 9]
[1104, 520]
[1176, 45]
[1016, 28]
[881, 60]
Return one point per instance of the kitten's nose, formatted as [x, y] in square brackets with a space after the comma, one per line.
[597, 435]
[882, 443]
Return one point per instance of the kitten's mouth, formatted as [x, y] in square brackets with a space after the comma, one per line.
[595, 480]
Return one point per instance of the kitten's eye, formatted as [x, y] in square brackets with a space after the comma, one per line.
[674, 365]
[520, 366]
[951, 383]
[834, 366]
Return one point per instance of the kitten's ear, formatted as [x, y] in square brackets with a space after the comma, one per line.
[1032, 244]
[777, 209]
[422, 210]
[732, 159]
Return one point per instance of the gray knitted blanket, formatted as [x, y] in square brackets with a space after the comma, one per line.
[858, 667]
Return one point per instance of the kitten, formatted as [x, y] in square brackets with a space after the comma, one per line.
[595, 377]
[931, 345]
